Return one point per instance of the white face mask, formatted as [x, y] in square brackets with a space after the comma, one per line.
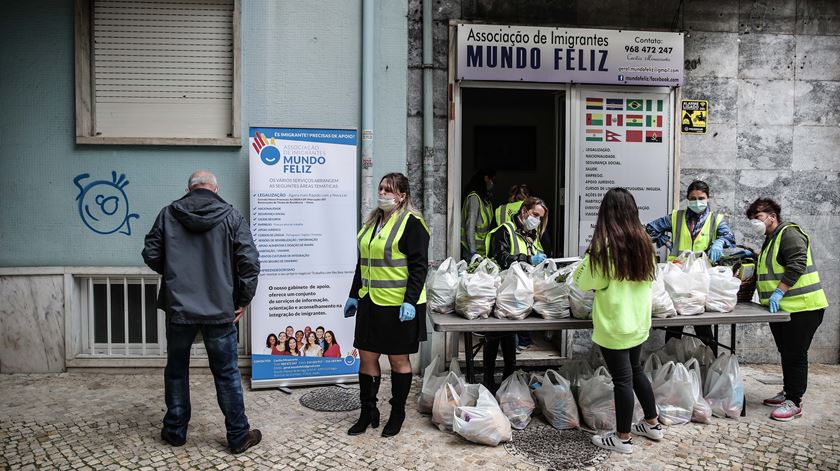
[758, 226]
[532, 223]
[386, 203]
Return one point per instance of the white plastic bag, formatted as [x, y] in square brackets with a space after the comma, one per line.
[556, 401]
[576, 371]
[702, 411]
[484, 423]
[673, 391]
[477, 291]
[661, 303]
[515, 399]
[651, 365]
[448, 398]
[705, 357]
[442, 286]
[723, 290]
[433, 381]
[724, 387]
[689, 347]
[687, 282]
[515, 296]
[551, 293]
[580, 302]
[596, 401]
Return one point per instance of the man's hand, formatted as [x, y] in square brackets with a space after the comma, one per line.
[240, 311]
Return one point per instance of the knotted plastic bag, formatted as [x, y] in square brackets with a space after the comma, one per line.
[477, 291]
[484, 423]
[723, 289]
[515, 297]
[551, 293]
[442, 285]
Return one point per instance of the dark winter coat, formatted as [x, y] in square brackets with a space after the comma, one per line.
[203, 249]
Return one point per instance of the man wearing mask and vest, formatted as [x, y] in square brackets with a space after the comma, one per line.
[477, 215]
[787, 280]
[698, 229]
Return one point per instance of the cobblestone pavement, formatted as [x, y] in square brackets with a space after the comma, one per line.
[100, 421]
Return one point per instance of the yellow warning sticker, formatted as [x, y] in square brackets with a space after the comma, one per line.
[695, 115]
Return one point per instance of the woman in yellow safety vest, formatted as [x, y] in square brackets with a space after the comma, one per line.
[517, 240]
[389, 294]
[516, 195]
[698, 229]
[477, 214]
[787, 280]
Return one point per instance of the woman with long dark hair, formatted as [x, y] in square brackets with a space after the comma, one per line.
[332, 350]
[620, 266]
[389, 294]
[270, 345]
[477, 214]
[292, 347]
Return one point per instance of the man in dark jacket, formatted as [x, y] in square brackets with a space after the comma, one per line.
[203, 249]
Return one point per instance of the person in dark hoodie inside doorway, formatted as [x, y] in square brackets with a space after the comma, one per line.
[203, 250]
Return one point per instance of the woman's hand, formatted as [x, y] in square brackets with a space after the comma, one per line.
[350, 307]
[407, 312]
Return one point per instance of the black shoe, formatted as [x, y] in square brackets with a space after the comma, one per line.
[369, 414]
[253, 438]
[170, 439]
[400, 386]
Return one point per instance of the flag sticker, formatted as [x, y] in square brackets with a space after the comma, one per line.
[634, 104]
[615, 104]
[615, 119]
[614, 136]
[653, 136]
[653, 121]
[595, 135]
[594, 119]
[634, 120]
[634, 136]
[649, 105]
[594, 103]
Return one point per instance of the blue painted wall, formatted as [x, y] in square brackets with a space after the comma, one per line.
[301, 66]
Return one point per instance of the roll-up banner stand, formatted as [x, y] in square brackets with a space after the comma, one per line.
[304, 185]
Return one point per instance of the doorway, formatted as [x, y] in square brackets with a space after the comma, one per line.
[520, 134]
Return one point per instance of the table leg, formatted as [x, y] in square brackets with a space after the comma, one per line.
[468, 353]
[715, 346]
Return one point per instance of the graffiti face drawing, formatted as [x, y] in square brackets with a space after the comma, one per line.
[103, 204]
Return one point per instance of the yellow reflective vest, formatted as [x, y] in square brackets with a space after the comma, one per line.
[518, 244]
[681, 236]
[806, 295]
[384, 268]
[505, 212]
[482, 227]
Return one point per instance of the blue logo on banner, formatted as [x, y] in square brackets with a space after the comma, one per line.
[349, 360]
[266, 149]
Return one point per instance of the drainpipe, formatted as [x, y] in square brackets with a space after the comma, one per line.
[367, 107]
[428, 115]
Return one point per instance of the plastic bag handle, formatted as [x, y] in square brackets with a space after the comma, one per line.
[602, 371]
[692, 363]
[665, 371]
[430, 370]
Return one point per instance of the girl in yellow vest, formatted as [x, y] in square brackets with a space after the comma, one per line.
[477, 214]
[698, 229]
[619, 266]
[516, 195]
[389, 295]
[517, 240]
[787, 280]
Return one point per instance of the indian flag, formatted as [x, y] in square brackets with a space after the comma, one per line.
[594, 119]
[595, 135]
[649, 104]
[653, 121]
[594, 103]
[633, 120]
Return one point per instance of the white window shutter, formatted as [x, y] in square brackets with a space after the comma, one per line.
[163, 69]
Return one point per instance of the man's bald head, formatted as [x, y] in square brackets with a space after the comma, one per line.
[202, 179]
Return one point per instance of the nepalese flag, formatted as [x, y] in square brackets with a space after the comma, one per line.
[653, 136]
[634, 104]
[594, 119]
[653, 121]
[595, 135]
[594, 103]
[615, 119]
[634, 120]
[634, 136]
[615, 103]
[649, 105]
[614, 136]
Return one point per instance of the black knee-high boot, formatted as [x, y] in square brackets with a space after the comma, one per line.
[369, 414]
[400, 386]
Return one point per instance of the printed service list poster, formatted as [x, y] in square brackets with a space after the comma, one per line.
[303, 219]
[625, 142]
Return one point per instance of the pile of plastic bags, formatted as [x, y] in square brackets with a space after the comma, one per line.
[433, 381]
[442, 285]
[476, 293]
[687, 282]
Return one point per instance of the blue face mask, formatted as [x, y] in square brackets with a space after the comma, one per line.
[698, 206]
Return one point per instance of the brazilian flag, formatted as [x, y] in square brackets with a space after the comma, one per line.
[634, 104]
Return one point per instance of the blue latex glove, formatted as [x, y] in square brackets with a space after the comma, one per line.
[350, 307]
[537, 259]
[716, 251]
[774, 300]
[407, 312]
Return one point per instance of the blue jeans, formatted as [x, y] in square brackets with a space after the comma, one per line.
[221, 344]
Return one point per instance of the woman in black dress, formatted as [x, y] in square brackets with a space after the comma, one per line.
[389, 295]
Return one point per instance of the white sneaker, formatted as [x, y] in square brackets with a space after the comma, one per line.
[611, 442]
[644, 429]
